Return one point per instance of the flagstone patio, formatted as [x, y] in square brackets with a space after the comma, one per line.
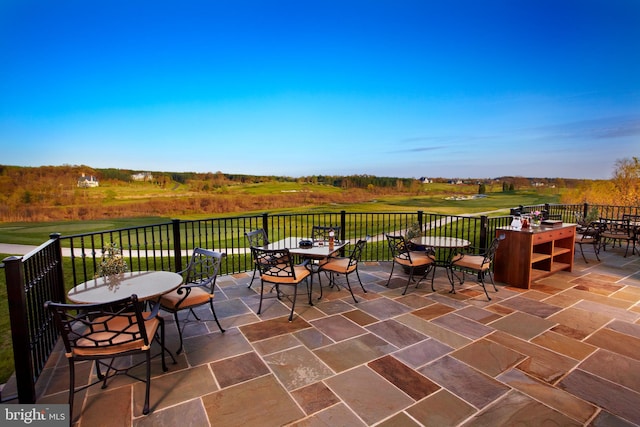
[565, 352]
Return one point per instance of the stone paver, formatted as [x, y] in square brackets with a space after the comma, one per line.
[561, 353]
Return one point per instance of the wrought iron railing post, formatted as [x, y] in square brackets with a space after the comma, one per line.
[343, 225]
[265, 222]
[585, 210]
[177, 245]
[484, 228]
[23, 360]
[420, 219]
[59, 292]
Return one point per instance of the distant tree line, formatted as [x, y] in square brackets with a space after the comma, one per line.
[52, 192]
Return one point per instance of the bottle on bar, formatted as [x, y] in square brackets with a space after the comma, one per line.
[331, 239]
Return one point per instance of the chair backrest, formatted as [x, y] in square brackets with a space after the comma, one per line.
[320, 233]
[591, 232]
[621, 226]
[490, 254]
[274, 262]
[92, 327]
[399, 247]
[203, 268]
[356, 253]
[633, 219]
[257, 237]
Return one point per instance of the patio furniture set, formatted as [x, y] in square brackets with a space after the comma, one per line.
[609, 231]
[117, 316]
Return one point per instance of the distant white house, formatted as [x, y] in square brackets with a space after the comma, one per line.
[425, 180]
[88, 181]
[142, 176]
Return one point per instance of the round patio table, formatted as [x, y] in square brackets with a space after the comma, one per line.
[147, 285]
[448, 244]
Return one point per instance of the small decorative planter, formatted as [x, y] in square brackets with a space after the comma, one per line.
[112, 266]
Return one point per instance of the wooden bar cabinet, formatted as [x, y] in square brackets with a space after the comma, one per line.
[529, 254]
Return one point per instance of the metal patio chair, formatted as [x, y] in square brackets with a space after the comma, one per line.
[479, 263]
[402, 254]
[276, 267]
[344, 266]
[104, 332]
[196, 290]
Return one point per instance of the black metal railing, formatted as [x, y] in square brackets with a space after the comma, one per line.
[40, 276]
[166, 246]
[31, 281]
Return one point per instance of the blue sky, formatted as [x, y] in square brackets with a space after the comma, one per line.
[546, 88]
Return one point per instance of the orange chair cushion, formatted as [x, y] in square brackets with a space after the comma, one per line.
[472, 262]
[338, 265]
[121, 343]
[300, 271]
[197, 296]
[417, 258]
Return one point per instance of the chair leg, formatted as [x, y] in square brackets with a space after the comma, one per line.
[350, 290]
[408, 280]
[194, 314]
[255, 270]
[425, 274]
[215, 317]
[393, 264]
[484, 287]
[360, 281]
[163, 348]
[261, 294]
[99, 371]
[332, 280]
[433, 276]
[309, 281]
[319, 283]
[175, 317]
[461, 279]
[72, 385]
[492, 282]
[293, 303]
[145, 409]
[106, 374]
